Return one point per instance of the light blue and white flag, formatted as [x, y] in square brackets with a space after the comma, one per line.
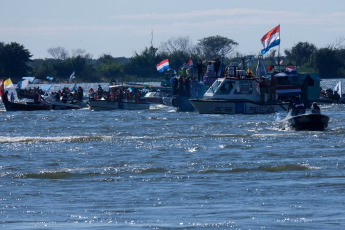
[338, 88]
[50, 78]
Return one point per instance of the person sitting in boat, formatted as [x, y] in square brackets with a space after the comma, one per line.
[36, 97]
[100, 91]
[298, 107]
[315, 108]
[64, 98]
[336, 96]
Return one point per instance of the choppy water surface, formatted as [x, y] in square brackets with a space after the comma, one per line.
[158, 169]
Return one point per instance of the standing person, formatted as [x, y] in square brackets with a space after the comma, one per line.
[4, 96]
[194, 88]
[199, 68]
[12, 97]
[262, 86]
[273, 88]
[216, 65]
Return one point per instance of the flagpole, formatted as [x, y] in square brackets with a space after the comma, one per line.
[279, 49]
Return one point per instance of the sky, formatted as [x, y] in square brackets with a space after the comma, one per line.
[121, 28]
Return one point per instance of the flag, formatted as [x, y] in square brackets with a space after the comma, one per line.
[190, 62]
[271, 39]
[50, 78]
[23, 84]
[163, 65]
[338, 88]
[8, 84]
[260, 69]
[281, 61]
[1, 87]
[72, 76]
[290, 69]
[30, 79]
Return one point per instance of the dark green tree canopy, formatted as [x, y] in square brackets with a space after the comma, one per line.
[300, 53]
[13, 60]
[215, 46]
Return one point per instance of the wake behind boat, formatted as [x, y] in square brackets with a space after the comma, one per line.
[306, 119]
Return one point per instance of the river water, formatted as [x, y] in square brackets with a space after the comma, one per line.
[158, 169]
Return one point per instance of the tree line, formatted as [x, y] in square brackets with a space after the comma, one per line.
[16, 62]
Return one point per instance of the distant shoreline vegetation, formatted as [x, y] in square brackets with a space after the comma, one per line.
[16, 62]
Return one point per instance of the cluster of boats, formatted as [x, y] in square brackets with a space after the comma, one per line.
[236, 93]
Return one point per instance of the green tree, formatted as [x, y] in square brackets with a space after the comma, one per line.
[13, 60]
[326, 62]
[143, 64]
[109, 67]
[300, 54]
[215, 46]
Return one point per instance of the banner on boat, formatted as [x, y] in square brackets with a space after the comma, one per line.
[163, 65]
[8, 84]
[271, 39]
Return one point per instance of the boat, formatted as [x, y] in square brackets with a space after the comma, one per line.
[96, 104]
[125, 97]
[306, 119]
[238, 94]
[158, 96]
[28, 106]
[182, 94]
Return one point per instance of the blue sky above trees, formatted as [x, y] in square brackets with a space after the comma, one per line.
[120, 28]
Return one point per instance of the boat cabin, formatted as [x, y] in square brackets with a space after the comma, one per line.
[234, 88]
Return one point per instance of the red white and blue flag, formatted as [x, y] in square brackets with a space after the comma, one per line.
[190, 62]
[290, 69]
[163, 65]
[271, 39]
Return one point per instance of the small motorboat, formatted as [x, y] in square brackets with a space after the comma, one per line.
[120, 98]
[303, 119]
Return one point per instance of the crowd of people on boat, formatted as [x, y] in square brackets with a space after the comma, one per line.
[66, 94]
[119, 94]
[329, 94]
[31, 91]
[298, 106]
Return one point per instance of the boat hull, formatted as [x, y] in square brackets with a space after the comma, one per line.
[236, 107]
[312, 122]
[10, 106]
[182, 104]
[113, 105]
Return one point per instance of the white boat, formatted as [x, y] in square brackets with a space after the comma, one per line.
[233, 95]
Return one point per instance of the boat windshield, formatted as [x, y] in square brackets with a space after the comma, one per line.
[244, 87]
[225, 88]
[213, 87]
